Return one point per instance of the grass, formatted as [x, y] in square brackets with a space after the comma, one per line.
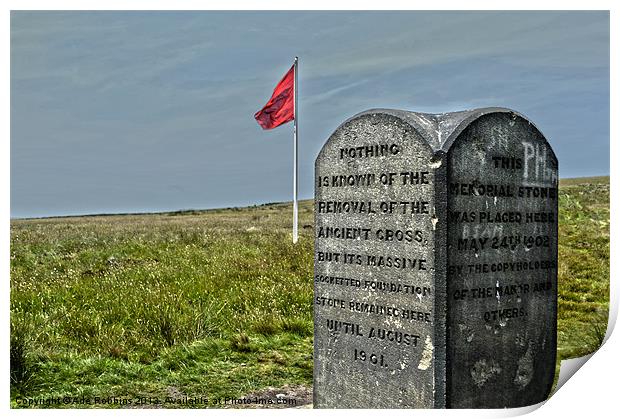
[216, 303]
[583, 273]
[167, 303]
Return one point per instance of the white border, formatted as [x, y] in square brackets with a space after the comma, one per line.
[593, 389]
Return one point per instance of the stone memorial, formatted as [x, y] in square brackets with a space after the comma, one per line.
[435, 282]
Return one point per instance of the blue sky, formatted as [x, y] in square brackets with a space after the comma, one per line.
[153, 111]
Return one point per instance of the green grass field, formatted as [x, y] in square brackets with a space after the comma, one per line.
[216, 303]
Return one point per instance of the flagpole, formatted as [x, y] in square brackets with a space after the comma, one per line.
[296, 114]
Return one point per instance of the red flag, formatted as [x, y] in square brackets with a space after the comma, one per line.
[281, 106]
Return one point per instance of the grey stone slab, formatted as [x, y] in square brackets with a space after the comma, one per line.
[397, 323]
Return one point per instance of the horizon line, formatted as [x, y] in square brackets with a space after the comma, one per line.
[186, 210]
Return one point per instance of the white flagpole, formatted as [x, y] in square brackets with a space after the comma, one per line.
[296, 114]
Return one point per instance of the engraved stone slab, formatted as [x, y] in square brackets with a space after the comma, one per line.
[412, 211]
[502, 264]
[374, 261]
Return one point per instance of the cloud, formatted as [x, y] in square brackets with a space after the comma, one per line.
[321, 97]
[544, 38]
[144, 99]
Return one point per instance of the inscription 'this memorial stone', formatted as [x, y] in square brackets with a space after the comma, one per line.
[435, 262]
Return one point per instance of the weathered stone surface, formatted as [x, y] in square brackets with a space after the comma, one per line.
[405, 313]
[502, 264]
[358, 353]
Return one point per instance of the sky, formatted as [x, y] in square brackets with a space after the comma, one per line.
[115, 112]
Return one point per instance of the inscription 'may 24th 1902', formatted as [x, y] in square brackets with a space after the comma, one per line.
[510, 212]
